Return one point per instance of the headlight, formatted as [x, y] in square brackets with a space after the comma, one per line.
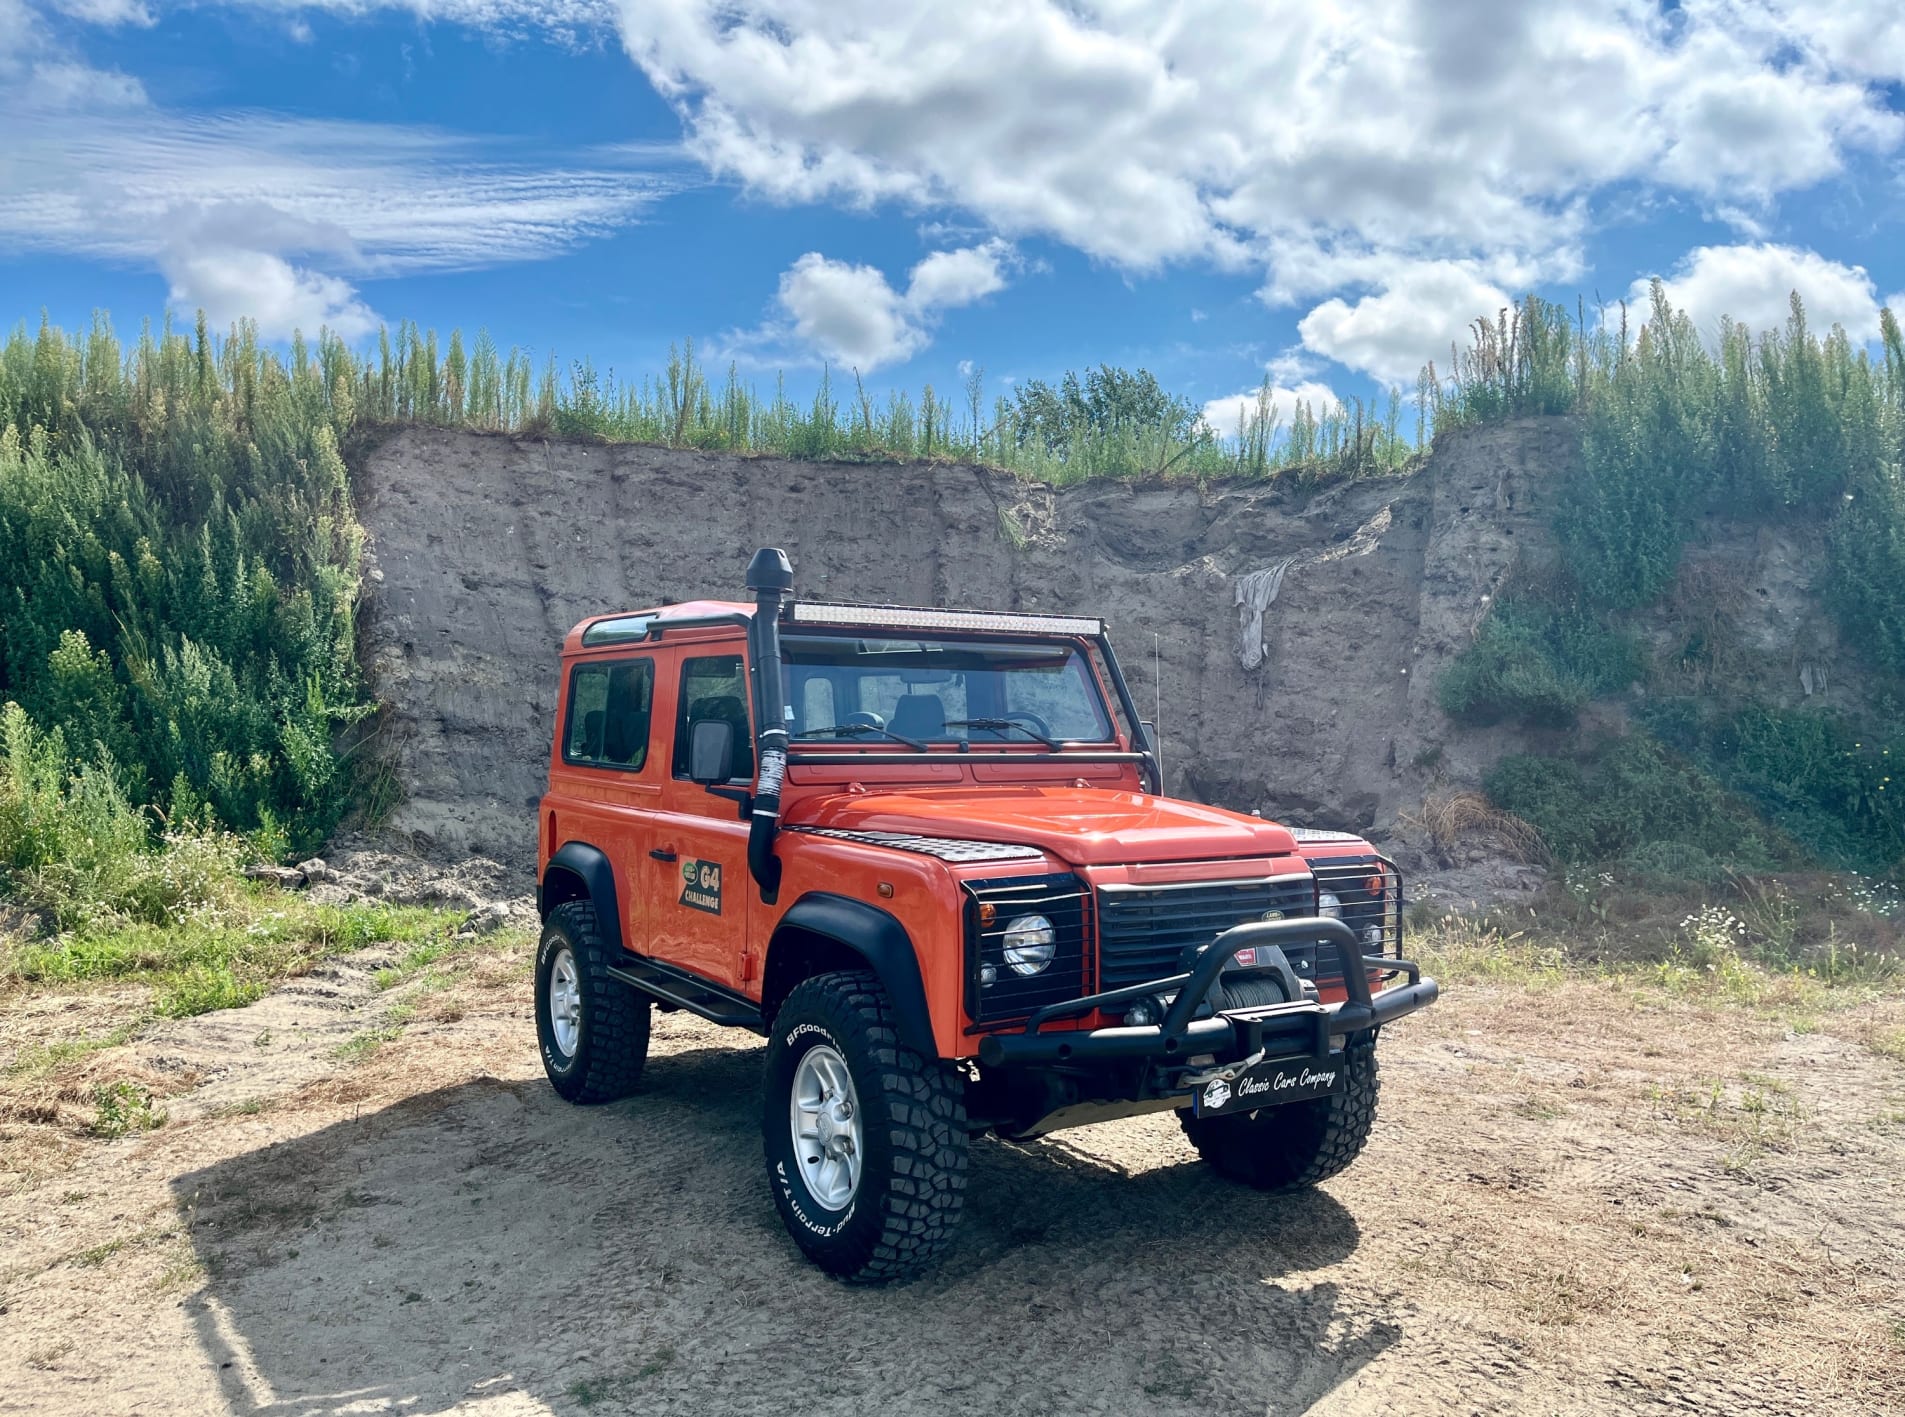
[1329, 905]
[1030, 944]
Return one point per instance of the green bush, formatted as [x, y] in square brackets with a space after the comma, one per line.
[1669, 864]
[1816, 776]
[1533, 664]
[1865, 571]
[76, 844]
[179, 566]
[1629, 794]
[1647, 451]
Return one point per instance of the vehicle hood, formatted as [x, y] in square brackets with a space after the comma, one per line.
[1084, 826]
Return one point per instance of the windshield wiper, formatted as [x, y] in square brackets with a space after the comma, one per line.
[999, 725]
[854, 730]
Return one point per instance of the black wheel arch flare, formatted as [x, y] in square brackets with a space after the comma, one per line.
[578, 871]
[875, 937]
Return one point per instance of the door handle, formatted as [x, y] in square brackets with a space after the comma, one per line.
[663, 853]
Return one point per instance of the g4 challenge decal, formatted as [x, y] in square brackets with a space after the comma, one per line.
[701, 886]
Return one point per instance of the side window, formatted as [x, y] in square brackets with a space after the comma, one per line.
[714, 687]
[610, 707]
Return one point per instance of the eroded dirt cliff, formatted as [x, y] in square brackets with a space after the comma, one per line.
[1288, 641]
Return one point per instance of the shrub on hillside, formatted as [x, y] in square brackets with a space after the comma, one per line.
[1815, 775]
[72, 842]
[1533, 664]
[1627, 794]
[178, 569]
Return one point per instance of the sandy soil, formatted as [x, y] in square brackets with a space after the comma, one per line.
[1575, 1202]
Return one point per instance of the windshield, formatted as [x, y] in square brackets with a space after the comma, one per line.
[899, 692]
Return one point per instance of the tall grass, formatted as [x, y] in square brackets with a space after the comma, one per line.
[1107, 423]
[1780, 425]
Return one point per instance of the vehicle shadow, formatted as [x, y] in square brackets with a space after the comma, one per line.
[487, 1244]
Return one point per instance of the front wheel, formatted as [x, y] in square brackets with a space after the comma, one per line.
[1297, 1145]
[865, 1140]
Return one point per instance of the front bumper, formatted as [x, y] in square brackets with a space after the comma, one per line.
[1293, 1030]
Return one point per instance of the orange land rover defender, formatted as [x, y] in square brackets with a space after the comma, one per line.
[924, 852]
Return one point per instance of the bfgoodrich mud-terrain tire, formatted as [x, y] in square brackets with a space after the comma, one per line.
[592, 1028]
[865, 1139]
[1289, 1148]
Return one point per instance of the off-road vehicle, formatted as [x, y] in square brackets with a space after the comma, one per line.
[925, 853]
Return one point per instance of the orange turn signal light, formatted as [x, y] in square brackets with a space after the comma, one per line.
[988, 912]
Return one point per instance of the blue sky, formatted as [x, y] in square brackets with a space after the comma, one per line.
[1217, 191]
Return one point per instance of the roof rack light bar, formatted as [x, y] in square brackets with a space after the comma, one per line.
[909, 617]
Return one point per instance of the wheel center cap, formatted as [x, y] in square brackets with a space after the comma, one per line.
[833, 1125]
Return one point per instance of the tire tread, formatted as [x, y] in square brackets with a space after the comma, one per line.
[617, 1015]
[1293, 1153]
[926, 1129]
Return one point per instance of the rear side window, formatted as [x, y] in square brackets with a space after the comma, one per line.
[610, 712]
[714, 687]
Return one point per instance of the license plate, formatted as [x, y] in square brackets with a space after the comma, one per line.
[1269, 1084]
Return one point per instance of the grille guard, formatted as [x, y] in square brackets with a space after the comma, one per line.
[1282, 1028]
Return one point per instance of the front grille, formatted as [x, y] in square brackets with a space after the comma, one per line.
[1011, 995]
[1144, 932]
[1349, 878]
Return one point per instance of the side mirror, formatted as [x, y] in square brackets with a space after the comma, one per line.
[710, 751]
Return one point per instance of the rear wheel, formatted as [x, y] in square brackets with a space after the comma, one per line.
[1291, 1147]
[865, 1140]
[592, 1028]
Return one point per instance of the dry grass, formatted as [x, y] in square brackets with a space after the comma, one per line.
[1466, 819]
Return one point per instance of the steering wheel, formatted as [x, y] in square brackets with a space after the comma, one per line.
[1032, 721]
[871, 720]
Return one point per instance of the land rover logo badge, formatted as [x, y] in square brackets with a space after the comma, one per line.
[1216, 1095]
[701, 886]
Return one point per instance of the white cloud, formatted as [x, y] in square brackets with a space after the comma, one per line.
[108, 13]
[235, 284]
[62, 86]
[1420, 310]
[1752, 284]
[852, 315]
[848, 313]
[1364, 150]
[39, 74]
[1227, 415]
[213, 201]
[560, 18]
[950, 278]
[1211, 130]
[1864, 37]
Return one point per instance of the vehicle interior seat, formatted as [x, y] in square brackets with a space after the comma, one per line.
[591, 736]
[625, 734]
[919, 716]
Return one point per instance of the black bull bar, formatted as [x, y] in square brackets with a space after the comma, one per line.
[1299, 1027]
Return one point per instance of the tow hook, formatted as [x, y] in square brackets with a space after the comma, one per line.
[1228, 1072]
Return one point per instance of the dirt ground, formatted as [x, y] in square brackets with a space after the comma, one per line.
[1578, 1200]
